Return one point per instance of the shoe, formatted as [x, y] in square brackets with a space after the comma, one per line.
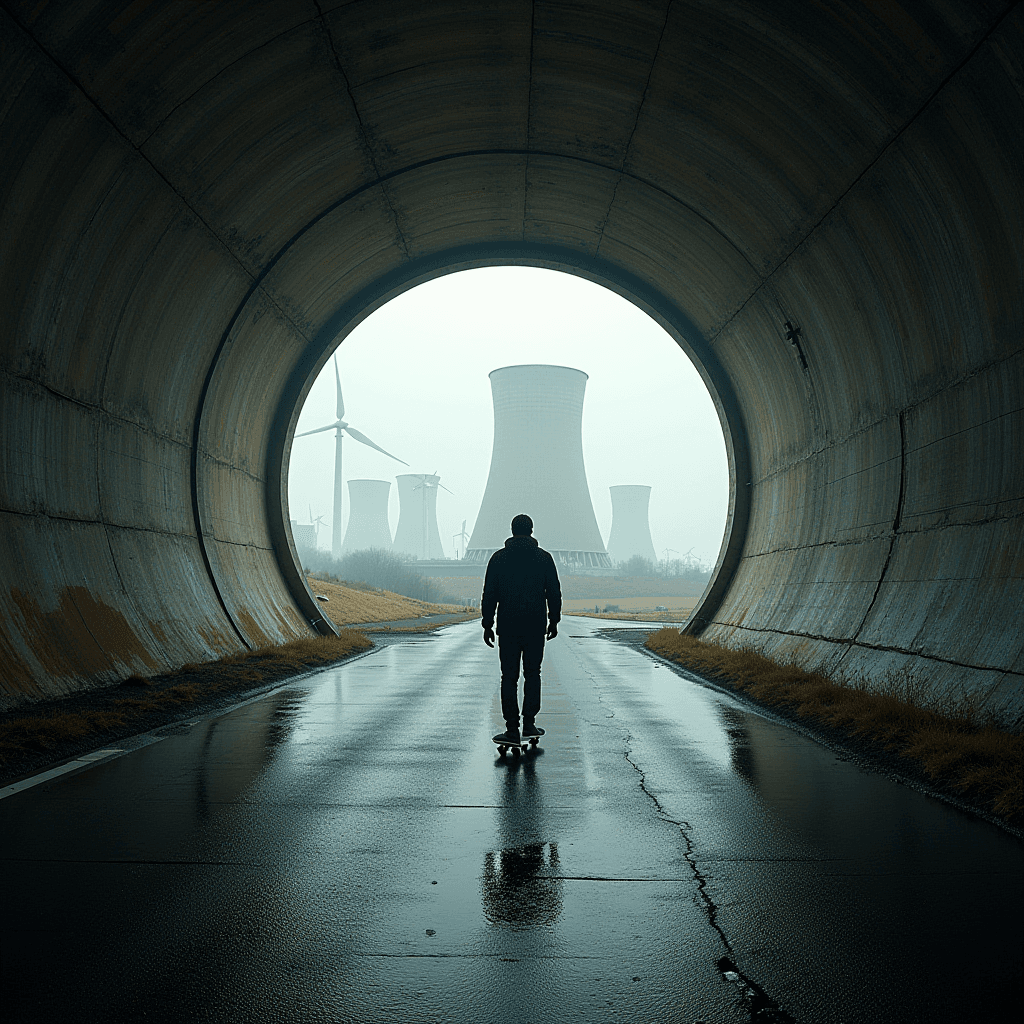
[529, 729]
[508, 736]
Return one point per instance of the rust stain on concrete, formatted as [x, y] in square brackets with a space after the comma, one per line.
[82, 636]
[217, 639]
[252, 629]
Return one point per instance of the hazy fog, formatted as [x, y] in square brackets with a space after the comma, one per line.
[414, 377]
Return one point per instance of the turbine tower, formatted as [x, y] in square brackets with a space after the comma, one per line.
[417, 532]
[367, 516]
[460, 539]
[343, 428]
[631, 530]
[537, 467]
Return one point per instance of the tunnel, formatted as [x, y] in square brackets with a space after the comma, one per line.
[821, 203]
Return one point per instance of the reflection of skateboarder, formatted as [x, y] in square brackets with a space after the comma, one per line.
[522, 584]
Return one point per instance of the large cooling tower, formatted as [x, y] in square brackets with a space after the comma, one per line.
[631, 530]
[417, 532]
[368, 516]
[537, 466]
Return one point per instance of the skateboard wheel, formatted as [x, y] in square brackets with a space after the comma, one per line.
[501, 751]
[516, 751]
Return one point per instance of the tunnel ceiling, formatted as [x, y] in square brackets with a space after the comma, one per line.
[198, 198]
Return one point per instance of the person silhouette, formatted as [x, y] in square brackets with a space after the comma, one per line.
[521, 583]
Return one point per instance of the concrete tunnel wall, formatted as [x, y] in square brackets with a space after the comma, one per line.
[198, 200]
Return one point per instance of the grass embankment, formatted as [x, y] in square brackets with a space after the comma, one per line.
[354, 606]
[951, 746]
[65, 725]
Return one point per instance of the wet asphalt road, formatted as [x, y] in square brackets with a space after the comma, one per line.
[351, 848]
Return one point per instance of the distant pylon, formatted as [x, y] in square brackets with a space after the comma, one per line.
[417, 532]
[368, 516]
[631, 530]
[537, 467]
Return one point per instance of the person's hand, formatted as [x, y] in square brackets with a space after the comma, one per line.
[488, 636]
[552, 631]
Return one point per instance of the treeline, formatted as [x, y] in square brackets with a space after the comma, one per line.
[380, 569]
[667, 569]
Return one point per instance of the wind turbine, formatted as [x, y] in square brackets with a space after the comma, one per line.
[342, 428]
[315, 523]
[428, 482]
[461, 537]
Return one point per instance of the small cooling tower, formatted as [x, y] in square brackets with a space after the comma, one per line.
[537, 467]
[368, 516]
[304, 535]
[417, 534]
[631, 530]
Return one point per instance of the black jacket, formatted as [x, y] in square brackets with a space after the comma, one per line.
[521, 578]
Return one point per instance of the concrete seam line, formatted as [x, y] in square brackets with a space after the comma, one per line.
[632, 131]
[364, 137]
[767, 280]
[842, 641]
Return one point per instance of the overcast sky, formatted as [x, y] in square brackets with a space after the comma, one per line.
[414, 378]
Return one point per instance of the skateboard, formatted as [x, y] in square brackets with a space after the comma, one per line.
[518, 748]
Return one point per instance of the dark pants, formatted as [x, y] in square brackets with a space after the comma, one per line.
[511, 650]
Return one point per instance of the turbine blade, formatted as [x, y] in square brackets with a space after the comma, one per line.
[443, 488]
[358, 436]
[341, 401]
[319, 430]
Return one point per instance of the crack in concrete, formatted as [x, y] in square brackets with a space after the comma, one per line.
[632, 132]
[529, 114]
[768, 280]
[364, 134]
[869, 647]
[897, 520]
[763, 1009]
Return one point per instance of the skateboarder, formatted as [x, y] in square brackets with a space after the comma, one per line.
[522, 583]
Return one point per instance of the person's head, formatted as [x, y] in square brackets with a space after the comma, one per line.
[522, 526]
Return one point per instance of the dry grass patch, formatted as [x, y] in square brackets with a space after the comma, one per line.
[950, 744]
[361, 606]
[54, 729]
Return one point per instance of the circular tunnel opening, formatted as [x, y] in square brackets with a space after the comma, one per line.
[413, 378]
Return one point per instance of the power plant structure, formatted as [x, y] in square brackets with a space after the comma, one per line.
[367, 516]
[304, 535]
[537, 467]
[417, 534]
[631, 528]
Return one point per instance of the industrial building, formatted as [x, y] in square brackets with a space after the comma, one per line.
[537, 467]
[368, 525]
[417, 534]
[631, 529]
[304, 534]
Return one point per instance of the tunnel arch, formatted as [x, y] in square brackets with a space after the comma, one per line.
[193, 192]
[667, 314]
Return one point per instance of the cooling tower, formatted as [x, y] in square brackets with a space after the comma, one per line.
[417, 533]
[631, 530]
[537, 467]
[368, 516]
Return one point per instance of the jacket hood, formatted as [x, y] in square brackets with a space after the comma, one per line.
[521, 542]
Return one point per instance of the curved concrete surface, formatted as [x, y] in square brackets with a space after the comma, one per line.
[199, 200]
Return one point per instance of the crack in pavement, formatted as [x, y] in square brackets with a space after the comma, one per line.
[763, 1009]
